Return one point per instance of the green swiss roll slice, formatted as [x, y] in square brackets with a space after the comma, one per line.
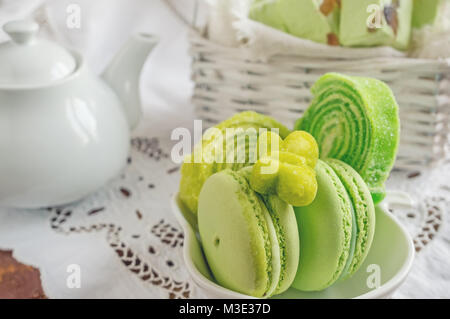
[355, 120]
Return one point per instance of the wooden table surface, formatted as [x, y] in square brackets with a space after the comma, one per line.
[17, 280]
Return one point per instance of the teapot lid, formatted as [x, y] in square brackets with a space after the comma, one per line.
[27, 60]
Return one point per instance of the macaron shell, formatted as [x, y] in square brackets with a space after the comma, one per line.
[364, 211]
[325, 229]
[283, 218]
[235, 234]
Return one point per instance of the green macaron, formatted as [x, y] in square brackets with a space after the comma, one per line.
[336, 230]
[251, 242]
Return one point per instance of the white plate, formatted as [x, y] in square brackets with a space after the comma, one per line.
[392, 253]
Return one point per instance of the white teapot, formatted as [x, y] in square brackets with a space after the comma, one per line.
[64, 132]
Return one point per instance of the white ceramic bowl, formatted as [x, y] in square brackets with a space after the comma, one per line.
[392, 252]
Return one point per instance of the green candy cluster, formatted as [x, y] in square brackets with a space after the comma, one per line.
[197, 169]
[287, 168]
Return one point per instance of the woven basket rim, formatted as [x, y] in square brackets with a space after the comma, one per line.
[197, 38]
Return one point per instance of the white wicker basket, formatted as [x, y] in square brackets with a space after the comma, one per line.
[226, 83]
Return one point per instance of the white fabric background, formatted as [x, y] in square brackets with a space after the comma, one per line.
[166, 90]
[105, 26]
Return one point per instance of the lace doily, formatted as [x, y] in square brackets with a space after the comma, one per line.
[133, 214]
[427, 220]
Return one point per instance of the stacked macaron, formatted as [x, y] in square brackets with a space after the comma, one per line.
[251, 242]
[336, 230]
[290, 219]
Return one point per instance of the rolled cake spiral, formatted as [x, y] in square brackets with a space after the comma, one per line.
[355, 120]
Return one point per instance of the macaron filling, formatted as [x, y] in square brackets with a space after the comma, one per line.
[279, 274]
[269, 227]
[274, 260]
[351, 252]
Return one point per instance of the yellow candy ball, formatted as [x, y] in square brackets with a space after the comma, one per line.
[303, 144]
[297, 185]
[286, 168]
[264, 175]
[290, 158]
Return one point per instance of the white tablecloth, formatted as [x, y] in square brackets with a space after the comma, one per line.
[125, 238]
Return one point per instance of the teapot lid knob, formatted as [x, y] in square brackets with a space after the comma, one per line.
[26, 60]
[21, 31]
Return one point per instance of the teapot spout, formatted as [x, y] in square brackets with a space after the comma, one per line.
[124, 72]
